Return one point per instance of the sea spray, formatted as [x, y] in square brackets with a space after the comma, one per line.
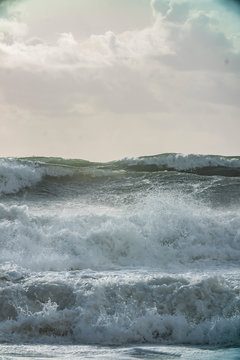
[161, 231]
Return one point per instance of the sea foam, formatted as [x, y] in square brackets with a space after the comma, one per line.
[161, 230]
[87, 308]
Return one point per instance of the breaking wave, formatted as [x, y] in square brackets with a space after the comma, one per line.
[16, 174]
[94, 308]
[161, 231]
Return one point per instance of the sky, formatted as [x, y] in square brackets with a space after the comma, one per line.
[107, 79]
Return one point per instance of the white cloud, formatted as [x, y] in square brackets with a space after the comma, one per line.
[186, 39]
[97, 51]
[162, 7]
[11, 30]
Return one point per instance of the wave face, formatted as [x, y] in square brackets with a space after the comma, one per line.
[133, 251]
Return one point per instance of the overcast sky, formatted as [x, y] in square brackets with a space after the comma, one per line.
[105, 79]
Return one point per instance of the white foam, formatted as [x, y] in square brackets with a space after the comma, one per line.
[162, 231]
[120, 309]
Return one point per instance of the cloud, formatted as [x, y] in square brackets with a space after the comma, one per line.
[179, 12]
[67, 52]
[12, 30]
[161, 7]
[183, 40]
[201, 47]
[6, 8]
[6, 2]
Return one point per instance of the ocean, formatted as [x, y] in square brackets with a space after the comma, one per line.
[131, 259]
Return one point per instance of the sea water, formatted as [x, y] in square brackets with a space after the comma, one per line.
[132, 259]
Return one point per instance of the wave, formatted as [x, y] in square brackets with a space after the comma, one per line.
[161, 230]
[118, 309]
[199, 164]
[17, 174]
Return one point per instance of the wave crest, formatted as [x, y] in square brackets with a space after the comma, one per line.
[16, 174]
[202, 164]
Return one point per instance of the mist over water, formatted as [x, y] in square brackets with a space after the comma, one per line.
[141, 251]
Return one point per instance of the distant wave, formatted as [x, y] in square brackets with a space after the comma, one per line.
[17, 174]
[199, 164]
